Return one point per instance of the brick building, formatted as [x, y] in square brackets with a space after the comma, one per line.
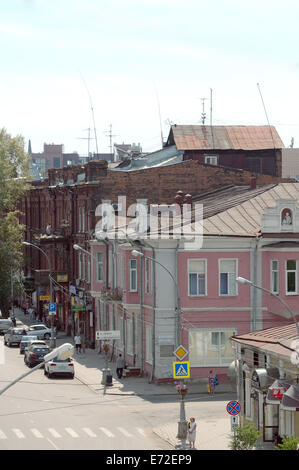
[60, 212]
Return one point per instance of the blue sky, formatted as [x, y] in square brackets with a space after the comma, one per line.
[127, 54]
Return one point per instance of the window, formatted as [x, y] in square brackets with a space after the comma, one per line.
[210, 348]
[79, 265]
[228, 274]
[147, 279]
[56, 162]
[83, 219]
[291, 276]
[100, 276]
[79, 219]
[274, 276]
[133, 275]
[197, 277]
[88, 269]
[211, 159]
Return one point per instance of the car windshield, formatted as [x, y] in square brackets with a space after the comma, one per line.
[26, 339]
[41, 350]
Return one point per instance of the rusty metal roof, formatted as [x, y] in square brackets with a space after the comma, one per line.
[279, 340]
[224, 137]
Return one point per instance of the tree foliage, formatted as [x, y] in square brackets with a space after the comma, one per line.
[245, 437]
[288, 443]
[14, 167]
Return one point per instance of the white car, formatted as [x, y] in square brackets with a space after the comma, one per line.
[39, 330]
[60, 367]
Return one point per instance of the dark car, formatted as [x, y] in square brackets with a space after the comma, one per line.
[26, 341]
[34, 354]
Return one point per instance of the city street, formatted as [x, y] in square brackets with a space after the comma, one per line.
[60, 413]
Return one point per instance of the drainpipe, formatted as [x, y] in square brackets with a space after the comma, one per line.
[255, 293]
[141, 298]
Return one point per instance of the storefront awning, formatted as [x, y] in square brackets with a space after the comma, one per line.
[290, 400]
[276, 391]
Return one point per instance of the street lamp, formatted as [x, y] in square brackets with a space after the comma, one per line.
[178, 338]
[52, 342]
[62, 352]
[182, 424]
[242, 280]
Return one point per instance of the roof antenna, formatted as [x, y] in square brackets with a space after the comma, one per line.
[266, 115]
[159, 111]
[203, 114]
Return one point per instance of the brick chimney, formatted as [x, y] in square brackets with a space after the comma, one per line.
[253, 182]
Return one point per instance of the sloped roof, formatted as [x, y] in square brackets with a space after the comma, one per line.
[244, 218]
[198, 137]
[279, 340]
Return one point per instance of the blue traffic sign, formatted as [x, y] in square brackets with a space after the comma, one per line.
[52, 308]
[233, 408]
[181, 370]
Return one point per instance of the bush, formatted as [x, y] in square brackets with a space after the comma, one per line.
[288, 443]
[245, 437]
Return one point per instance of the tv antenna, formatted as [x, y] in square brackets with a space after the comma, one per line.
[203, 114]
[266, 115]
[110, 135]
[89, 138]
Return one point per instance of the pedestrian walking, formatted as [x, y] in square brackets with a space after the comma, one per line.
[120, 364]
[211, 382]
[191, 433]
[77, 340]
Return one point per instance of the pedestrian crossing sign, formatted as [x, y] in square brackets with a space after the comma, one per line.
[181, 370]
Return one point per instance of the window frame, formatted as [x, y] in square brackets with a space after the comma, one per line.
[286, 277]
[229, 294]
[100, 263]
[131, 271]
[272, 271]
[205, 278]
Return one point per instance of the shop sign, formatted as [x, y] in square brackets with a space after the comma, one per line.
[62, 278]
[278, 392]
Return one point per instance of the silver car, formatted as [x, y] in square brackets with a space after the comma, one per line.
[39, 330]
[14, 336]
[5, 324]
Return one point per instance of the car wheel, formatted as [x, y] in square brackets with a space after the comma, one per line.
[8, 344]
[45, 372]
[47, 336]
[72, 376]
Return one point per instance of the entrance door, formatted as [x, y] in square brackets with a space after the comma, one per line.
[270, 422]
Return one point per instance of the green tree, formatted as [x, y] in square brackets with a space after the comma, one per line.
[288, 443]
[245, 437]
[14, 171]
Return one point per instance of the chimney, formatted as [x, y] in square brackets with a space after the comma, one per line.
[253, 182]
[179, 198]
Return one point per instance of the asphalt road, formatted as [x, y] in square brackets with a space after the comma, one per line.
[39, 413]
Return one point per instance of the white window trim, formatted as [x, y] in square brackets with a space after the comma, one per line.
[130, 272]
[213, 157]
[79, 265]
[206, 277]
[271, 279]
[219, 277]
[296, 277]
[100, 263]
[210, 330]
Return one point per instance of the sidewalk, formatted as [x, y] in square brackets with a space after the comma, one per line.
[211, 435]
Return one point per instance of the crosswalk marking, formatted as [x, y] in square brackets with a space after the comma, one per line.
[19, 433]
[89, 432]
[2, 435]
[124, 432]
[54, 433]
[36, 433]
[71, 432]
[108, 433]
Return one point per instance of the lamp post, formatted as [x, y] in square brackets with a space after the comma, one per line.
[242, 280]
[178, 338]
[62, 352]
[182, 389]
[53, 339]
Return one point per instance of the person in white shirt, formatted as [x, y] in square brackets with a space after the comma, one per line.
[77, 340]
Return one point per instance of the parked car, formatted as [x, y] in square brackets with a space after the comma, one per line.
[5, 324]
[60, 367]
[39, 330]
[34, 354]
[26, 341]
[14, 336]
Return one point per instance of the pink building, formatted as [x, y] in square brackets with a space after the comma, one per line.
[247, 232]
